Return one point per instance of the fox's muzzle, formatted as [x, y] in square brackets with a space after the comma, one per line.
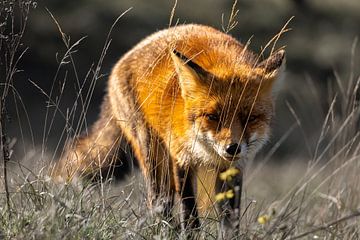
[233, 149]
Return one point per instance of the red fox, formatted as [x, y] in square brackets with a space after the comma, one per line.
[189, 102]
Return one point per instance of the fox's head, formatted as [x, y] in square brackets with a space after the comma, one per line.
[229, 109]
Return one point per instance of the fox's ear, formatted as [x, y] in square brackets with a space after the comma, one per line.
[273, 64]
[273, 68]
[190, 74]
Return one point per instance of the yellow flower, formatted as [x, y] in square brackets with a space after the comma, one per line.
[224, 195]
[229, 194]
[228, 174]
[219, 197]
[264, 219]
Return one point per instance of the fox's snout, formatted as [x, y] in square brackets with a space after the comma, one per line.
[233, 149]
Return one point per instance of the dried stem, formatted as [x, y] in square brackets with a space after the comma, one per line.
[232, 22]
[13, 19]
[328, 225]
[6, 151]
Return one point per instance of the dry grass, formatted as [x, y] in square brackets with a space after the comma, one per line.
[42, 210]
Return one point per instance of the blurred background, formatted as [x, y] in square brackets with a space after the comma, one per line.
[322, 58]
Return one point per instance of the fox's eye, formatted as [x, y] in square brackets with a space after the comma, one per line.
[252, 118]
[212, 117]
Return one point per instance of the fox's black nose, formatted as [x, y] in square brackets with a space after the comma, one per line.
[233, 149]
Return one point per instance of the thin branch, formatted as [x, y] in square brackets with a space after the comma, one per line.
[328, 225]
[6, 152]
[172, 13]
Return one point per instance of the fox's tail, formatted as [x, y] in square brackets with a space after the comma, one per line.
[98, 154]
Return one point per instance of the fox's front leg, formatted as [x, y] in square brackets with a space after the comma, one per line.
[228, 190]
[185, 191]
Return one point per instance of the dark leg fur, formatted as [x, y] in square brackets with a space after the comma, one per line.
[189, 215]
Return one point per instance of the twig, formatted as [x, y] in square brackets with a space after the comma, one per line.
[9, 46]
[232, 22]
[324, 227]
[172, 13]
[6, 152]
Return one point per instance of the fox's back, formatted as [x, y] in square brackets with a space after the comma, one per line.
[215, 51]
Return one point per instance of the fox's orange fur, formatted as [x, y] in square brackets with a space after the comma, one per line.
[178, 100]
